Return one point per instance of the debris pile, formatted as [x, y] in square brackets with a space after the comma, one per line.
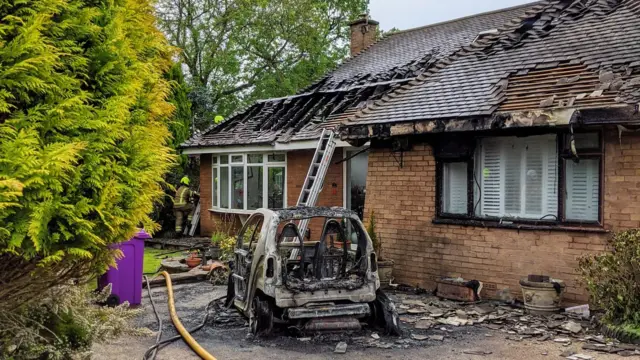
[422, 313]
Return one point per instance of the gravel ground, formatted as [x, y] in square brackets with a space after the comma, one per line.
[230, 341]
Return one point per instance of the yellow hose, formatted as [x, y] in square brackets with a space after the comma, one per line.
[176, 322]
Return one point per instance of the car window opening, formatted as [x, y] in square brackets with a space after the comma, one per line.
[334, 259]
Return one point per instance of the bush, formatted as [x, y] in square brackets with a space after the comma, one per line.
[226, 243]
[613, 278]
[63, 324]
[372, 231]
[83, 136]
[225, 238]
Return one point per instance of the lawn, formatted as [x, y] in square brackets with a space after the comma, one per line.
[632, 329]
[152, 259]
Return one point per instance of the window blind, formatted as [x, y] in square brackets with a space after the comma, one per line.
[455, 188]
[518, 177]
[582, 190]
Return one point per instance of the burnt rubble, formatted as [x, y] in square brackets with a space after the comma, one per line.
[423, 313]
[430, 321]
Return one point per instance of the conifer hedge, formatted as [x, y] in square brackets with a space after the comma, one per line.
[83, 135]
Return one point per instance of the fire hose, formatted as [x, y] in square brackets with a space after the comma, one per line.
[184, 334]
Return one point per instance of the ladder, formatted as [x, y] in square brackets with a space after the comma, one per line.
[195, 220]
[191, 230]
[315, 177]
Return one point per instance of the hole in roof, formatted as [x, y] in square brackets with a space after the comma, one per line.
[486, 33]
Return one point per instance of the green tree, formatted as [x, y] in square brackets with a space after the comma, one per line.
[182, 122]
[83, 136]
[237, 51]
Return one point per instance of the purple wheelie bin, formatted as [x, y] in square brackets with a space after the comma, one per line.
[126, 279]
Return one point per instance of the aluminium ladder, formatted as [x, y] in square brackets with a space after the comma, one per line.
[315, 179]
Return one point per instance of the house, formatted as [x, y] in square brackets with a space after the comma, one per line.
[260, 156]
[499, 145]
[515, 155]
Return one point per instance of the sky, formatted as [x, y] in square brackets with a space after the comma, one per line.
[406, 14]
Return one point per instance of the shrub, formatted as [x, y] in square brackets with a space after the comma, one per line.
[612, 278]
[83, 136]
[63, 324]
[225, 237]
[226, 243]
[372, 231]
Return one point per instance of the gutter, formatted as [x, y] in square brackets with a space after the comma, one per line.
[275, 147]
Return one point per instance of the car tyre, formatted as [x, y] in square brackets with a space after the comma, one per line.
[385, 315]
[260, 317]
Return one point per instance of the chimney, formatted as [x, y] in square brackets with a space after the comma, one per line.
[364, 32]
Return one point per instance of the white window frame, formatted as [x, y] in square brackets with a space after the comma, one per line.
[245, 164]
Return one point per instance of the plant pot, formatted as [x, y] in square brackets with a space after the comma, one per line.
[542, 297]
[385, 272]
[193, 261]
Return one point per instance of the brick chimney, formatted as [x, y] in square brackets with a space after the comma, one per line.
[364, 32]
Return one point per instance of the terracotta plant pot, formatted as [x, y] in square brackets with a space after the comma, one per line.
[193, 261]
[385, 272]
[542, 297]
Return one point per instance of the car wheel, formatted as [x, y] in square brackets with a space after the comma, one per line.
[260, 317]
[385, 314]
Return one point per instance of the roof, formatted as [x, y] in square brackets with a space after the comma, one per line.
[305, 212]
[356, 83]
[563, 54]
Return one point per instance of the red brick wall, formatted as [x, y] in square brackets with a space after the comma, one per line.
[404, 203]
[210, 221]
[297, 166]
[360, 40]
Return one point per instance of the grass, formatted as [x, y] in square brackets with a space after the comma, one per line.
[151, 260]
[632, 329]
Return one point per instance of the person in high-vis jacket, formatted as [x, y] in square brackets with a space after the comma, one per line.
[183, 203]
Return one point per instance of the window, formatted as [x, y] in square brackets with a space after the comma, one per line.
[525, 178]
[248, 181]
[582, 194]
[250, 233]
[356, 177]
[454, 186]
[518, 177]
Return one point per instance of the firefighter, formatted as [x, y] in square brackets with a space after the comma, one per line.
[183, 203]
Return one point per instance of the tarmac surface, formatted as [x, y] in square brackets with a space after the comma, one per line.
[226, 337]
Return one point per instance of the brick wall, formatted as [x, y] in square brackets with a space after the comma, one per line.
[404, 203]
[210, 221]
[297, 166]
[362, 36]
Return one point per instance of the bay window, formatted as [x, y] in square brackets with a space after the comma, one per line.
[248, 181]
[535, 178]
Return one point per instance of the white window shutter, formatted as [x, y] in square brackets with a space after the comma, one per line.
[455, 188]
[519, 177]
[582, 190]
[512, 186]
[491, 178]
[551, 178]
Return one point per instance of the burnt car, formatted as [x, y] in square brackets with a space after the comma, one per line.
[324, 283]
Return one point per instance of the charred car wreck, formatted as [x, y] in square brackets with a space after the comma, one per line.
[321, 284]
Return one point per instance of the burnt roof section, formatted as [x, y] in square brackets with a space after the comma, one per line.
[305, 212]
[593, 45]
[360, 80]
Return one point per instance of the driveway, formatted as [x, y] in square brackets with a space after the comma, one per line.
[226, 337]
